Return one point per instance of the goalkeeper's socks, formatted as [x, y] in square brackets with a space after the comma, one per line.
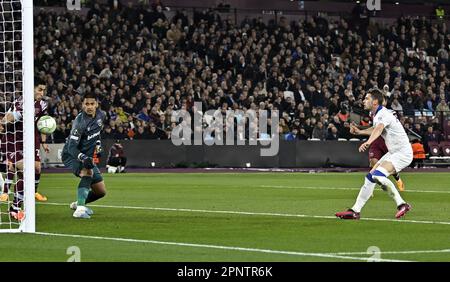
[83, 190]
[82, 195]
[364, 194]
[37, 178]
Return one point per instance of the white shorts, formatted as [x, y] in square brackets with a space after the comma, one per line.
[399, 159]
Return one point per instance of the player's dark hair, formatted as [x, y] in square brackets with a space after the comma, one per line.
[377, 95]
[38, 81]
[89, 95]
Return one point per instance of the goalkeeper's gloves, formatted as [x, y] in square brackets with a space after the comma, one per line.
[88, 162]
[98, 148]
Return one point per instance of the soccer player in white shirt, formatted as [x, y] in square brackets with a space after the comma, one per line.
[399, 155]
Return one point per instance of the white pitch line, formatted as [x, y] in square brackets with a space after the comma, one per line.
[396, 252]
[256, 213]
[344, 188]
[267, 251]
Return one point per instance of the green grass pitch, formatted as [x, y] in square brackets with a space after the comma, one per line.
[237, 217]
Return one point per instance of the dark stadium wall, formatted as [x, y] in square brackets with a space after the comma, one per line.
[302, 154]
[387, 9]
[290, 10]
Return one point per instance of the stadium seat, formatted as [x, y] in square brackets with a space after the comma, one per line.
[314, 139]
[342, 139]
[434, 148]
[445, 148]
[354, 139]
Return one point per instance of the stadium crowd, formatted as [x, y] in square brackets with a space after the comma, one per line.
[144, 65]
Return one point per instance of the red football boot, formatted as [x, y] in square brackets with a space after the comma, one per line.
[402, 210]
[348, 214]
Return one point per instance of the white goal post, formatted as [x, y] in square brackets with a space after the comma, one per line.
[24, 77]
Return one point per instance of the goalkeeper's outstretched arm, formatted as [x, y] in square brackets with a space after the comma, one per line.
[74, 138]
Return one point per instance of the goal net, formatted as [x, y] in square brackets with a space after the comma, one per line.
[17, 209]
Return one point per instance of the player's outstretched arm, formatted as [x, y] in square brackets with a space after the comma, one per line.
[74, 138]
[376, 132]
[355, 130]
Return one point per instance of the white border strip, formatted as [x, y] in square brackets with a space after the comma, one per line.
[267, 251]
[397, 252]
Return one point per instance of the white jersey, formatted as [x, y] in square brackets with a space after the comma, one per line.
[393, 134]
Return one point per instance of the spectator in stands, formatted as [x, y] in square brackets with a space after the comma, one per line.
[60, 134]
[302, 135]
[319, 132]
[332, 132]
[430, 136]
[173, 34]
[343, 113]
[442, 108]
[408, 109]
[396, 106]
[291, 136]
[121, 134]
[156, 133]
[365, 122]
[116, 158]
[141, 134]
[418, 129]
[107, 133]
[130, 57]
[345, 132]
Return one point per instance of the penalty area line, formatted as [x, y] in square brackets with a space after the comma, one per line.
[218, 247]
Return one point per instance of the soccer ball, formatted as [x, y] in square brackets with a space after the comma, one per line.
[46, 125]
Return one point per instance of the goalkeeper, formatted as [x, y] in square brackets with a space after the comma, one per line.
[78, 152]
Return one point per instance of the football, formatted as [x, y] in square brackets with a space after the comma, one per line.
[46, 125]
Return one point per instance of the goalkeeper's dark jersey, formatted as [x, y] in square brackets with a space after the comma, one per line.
[84, 134]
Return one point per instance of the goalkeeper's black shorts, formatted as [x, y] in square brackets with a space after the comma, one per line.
[77, 166]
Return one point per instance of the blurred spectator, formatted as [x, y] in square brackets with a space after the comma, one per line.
[116, 158]
[156, 133]
[302, 135]
[443, 108]
[141, 134]
[144, 65]
[319, 132]
[430, 136]
[332, 133]
[120, 134]
[107, 133]
[291, 136]
[396, 106]
[60, 134]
